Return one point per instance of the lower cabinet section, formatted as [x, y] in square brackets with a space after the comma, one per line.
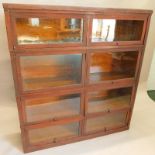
[106, 122]
[57, 118]
[53, 133]
[66, 131]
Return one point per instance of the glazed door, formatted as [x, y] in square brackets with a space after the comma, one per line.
[105, 123]
[59, 69]
[103, 100]
[53, 106]
[52, 133]
[48, 30]
[112, 65]
[117, 29]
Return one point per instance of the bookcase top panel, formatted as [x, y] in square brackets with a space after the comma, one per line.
[13, 6]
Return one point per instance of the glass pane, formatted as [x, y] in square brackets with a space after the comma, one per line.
[111, 121]
[108, 30]
[53, 133]
[112, 65]
[49, 31]
[39, 72]
[52, 107]
[108, 100]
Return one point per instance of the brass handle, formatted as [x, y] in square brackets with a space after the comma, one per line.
[108, 110]
[105, 129]
[117, 43]
[54, 119]
[54, 140]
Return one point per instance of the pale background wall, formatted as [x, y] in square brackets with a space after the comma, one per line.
[151, 78]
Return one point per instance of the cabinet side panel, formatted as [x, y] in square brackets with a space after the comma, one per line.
[139, 69]
[14, 72]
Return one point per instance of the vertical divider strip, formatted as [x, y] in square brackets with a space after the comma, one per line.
[84, 92]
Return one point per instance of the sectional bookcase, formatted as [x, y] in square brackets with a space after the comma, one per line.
[75, 70]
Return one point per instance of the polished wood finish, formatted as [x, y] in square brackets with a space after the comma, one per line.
[68, 86]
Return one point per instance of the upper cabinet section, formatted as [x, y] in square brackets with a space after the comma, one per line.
[38, 26]
[117, 30]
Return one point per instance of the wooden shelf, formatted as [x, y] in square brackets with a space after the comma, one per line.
[95, 77]
[41, 83]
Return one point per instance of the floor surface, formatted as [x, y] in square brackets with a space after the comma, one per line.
[139, 140]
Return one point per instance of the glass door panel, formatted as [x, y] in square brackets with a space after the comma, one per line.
[112, 65]
[106, 122]
[52, 107]
[45, 71]
[109, 30]
[109, 100]
[52, 134]
[49, 30]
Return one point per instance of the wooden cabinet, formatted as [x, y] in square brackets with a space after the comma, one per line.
[76, 70]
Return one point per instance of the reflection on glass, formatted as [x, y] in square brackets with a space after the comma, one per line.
[112, 65]
[53, 133]
[39, 72]
[49, 107]
[108, 100]
[49, 31]
[107, 122]
[108, 30]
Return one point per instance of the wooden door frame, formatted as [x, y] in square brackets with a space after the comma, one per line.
[117, 16]
[48, 15]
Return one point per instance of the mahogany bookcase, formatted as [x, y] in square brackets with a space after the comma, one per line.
[75, 70]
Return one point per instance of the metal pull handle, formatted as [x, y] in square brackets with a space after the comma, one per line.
[108, 110]
[54, 140]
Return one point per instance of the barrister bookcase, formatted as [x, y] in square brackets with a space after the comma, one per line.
[75, 69]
